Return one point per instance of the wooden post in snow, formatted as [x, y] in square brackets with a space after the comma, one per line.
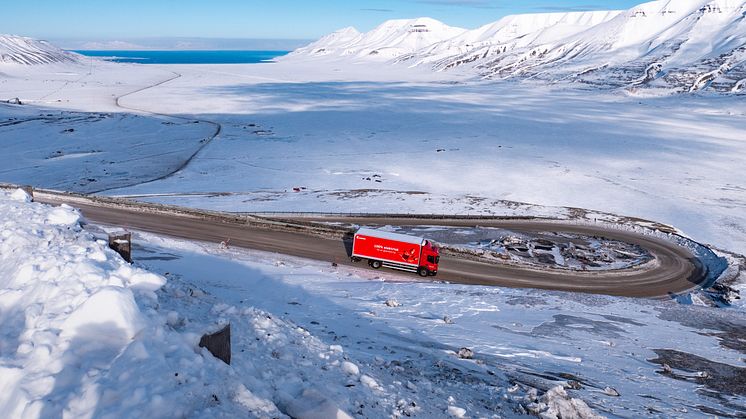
[122, 244]
[219, 344]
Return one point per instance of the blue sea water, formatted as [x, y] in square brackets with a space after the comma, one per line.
[184, 57]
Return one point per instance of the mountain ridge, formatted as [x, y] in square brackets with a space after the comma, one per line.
[22, 50]
[674, 45]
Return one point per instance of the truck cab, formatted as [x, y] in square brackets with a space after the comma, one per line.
[430, 258]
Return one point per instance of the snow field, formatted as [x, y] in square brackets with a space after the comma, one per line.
[406, 336]
[439, 148]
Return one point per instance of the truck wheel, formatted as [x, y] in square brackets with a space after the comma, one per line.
[375, 264]
[423, 272]
[355, 259]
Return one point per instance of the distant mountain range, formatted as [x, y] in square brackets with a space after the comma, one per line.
[673, 45]
[28, 51]
[666, 46]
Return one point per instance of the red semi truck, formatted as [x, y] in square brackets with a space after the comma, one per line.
[396, 251]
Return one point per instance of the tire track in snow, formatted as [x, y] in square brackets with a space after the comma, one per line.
[203, 145]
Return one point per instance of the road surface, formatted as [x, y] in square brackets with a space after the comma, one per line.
[674, 270]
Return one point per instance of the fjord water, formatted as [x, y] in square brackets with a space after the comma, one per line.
[185, 57]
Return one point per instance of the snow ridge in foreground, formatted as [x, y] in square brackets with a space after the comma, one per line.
[83, 335]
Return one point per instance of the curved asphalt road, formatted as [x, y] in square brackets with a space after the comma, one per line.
[674, 270]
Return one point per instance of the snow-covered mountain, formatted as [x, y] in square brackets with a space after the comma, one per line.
[389, 40]
[28, 51]
[510, 32]
[679, 45]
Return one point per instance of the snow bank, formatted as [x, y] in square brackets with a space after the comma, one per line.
[69, 310]
[84, 334]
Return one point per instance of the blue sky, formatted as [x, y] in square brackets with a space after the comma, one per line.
[97, 20]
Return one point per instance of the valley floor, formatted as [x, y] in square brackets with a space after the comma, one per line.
[296, 137]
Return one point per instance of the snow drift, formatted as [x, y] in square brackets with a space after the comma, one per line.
[28, 51]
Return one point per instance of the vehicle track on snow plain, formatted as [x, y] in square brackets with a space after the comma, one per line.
[203, 145]
[675, 269]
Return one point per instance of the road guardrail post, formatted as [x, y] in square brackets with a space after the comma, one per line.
[122, 244]
[218, 343]
[29, 190]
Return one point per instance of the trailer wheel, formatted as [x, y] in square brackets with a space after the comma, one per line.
[375, 264]
[423, 272]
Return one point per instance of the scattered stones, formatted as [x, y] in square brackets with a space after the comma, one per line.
[557, 404]
[574, 384]
[350, 368]
[392, 303]
[456, 412]
[465, 353]
[611, 392]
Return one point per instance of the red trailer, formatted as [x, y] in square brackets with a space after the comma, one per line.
[396, 251]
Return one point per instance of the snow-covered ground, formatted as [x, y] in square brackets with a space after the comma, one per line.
[85, 334]
[676, 160]
[334, 134]
[367, 137]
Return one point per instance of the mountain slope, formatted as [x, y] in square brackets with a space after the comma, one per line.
[674, 45]
[670, 44]
[509, 33]
[28, 51]
[389, 40]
